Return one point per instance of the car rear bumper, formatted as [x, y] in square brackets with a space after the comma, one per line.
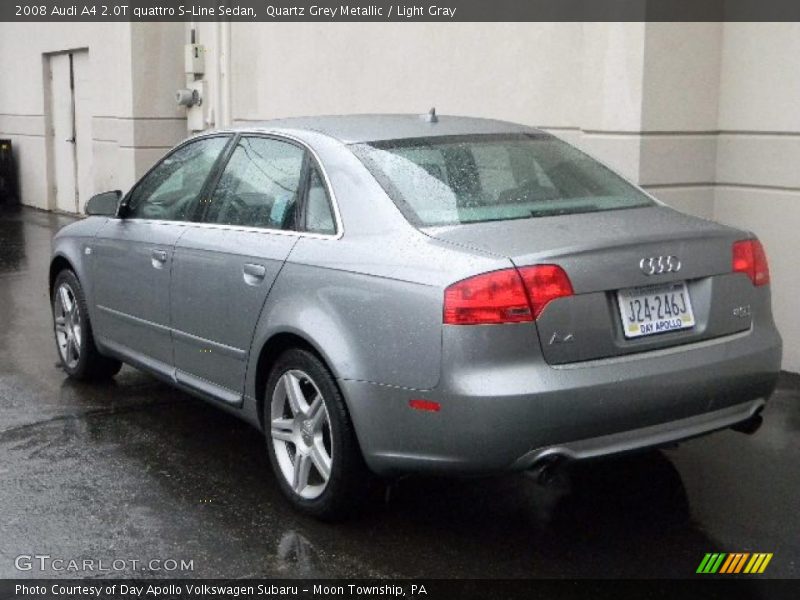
[504, 408]
[645, 437]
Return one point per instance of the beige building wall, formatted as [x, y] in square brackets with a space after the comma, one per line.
[704, 115]
[679, 114]
[577, 80]
[133, 71]
[758, 155]
[721, 138]
[296, 69]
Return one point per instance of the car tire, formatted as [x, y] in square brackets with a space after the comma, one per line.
[79, 356]
[311, 443]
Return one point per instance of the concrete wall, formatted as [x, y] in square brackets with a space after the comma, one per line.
[133, 72]
[577, 80]
[679, 114]
[758, 155]
[516, 71]
[23, 106]
[704, 115]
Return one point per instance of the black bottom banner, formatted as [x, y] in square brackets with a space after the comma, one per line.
[239, 589]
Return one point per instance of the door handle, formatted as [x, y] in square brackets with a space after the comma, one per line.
[158, 258]
[254, 273]
[70, 140]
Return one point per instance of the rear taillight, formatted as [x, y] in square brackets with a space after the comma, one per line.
[545, 283]
[496, 297]
[749, 258]
[506, 296]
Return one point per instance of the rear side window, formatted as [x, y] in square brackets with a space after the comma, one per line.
[473, 178]
[168, 192]
[259, 186]
[319, 216]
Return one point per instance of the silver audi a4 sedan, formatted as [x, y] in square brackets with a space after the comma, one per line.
[386, 294]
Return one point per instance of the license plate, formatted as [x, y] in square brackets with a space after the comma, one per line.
[655, 309]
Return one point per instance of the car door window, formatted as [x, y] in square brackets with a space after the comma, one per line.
[168, 192]
[319, 217]
[259, 186]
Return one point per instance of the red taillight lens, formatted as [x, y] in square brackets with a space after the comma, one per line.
[545, 283]
[497, 297]
[749, 258]
[507, 296]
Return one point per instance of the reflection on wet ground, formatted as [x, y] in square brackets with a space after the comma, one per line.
[135, 469]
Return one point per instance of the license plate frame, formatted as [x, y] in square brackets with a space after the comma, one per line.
[655, 309]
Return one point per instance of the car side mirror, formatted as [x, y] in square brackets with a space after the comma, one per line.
[105, 204]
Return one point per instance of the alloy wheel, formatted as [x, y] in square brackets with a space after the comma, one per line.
[301, 434]
[68, 325]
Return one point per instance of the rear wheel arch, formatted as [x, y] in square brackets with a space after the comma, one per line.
[312, 445]
[271, 350]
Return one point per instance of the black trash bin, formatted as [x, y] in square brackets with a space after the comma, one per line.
[8, 175]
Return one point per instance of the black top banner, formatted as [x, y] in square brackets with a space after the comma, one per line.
[408, 11]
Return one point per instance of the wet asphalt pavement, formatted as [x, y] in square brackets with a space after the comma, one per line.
[133, 469]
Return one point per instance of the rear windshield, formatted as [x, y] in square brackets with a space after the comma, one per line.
[476, 178]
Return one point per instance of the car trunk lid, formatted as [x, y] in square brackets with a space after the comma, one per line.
[628, 250]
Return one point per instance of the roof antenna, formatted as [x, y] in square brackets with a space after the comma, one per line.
[431, 116]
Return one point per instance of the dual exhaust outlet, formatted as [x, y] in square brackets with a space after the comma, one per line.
[545, 468]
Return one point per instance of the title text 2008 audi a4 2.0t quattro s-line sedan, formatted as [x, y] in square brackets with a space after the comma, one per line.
[394, 294]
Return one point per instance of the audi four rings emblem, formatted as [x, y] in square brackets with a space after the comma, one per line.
[657, 265]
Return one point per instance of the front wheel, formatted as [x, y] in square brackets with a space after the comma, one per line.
[73, 332]
[310, 438]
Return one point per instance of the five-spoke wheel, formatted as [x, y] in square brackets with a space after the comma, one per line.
[73, 332]
[68, 325]
[301, 433]
[311, 442]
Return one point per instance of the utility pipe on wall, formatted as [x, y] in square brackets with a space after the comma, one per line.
[225, 79]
